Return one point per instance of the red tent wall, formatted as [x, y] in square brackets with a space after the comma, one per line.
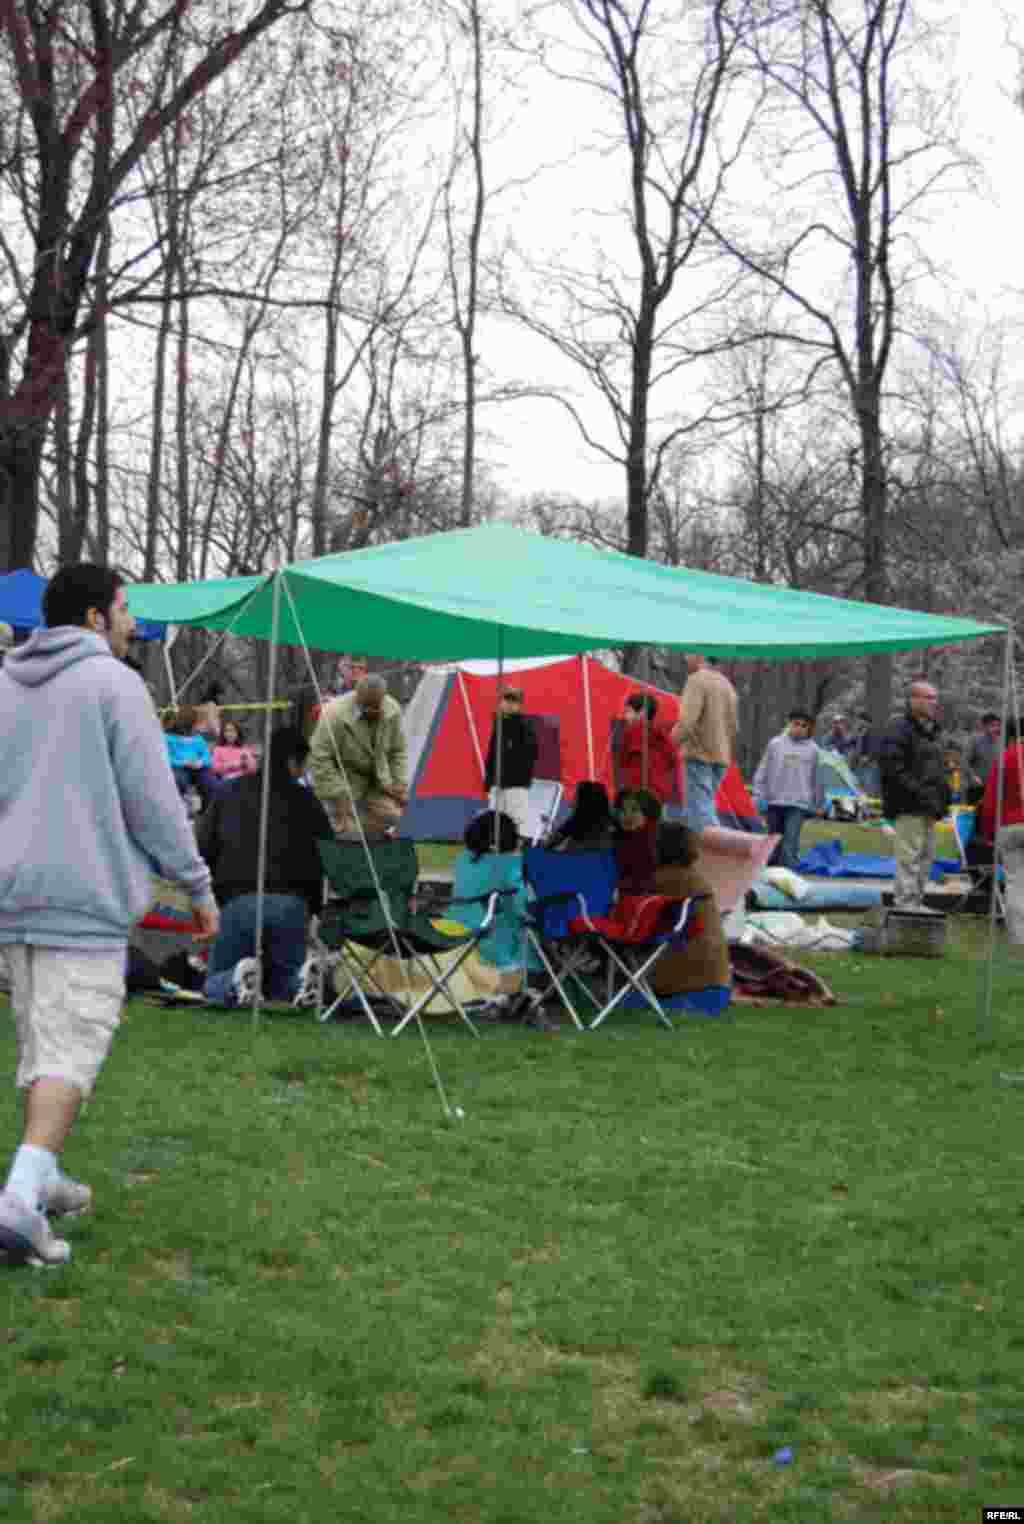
[565, 694]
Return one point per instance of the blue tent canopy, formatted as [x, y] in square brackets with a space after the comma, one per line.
[21, 605]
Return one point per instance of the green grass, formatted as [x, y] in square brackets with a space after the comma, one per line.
[641, 1266]
[439, 855]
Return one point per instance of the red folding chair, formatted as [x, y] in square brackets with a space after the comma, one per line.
[634, 936]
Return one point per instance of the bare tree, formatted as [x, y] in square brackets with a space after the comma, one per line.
[86, 89]
[670, 75]
[464, 284]
[863, 141]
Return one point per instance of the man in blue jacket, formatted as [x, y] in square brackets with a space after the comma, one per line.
[87, 806]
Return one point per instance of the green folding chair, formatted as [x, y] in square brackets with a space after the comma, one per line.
[385, 922]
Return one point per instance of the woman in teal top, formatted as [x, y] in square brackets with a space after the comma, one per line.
[491, 861]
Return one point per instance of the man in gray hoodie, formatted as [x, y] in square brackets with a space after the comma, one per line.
[88, 807]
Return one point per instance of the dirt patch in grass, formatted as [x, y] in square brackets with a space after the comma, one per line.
[432, 1477]
[896, 1405]
[547, 1253]
[734, 1404]
[50, 1501]
[400, 1408]
[355, 1083]
[884, 1481]
[174, 1506]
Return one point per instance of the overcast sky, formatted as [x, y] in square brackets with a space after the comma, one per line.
[978, 238]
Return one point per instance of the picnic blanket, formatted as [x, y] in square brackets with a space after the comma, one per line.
[760, 977]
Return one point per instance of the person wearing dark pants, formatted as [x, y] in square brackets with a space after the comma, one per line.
[789, 785]
[228, 834]
[230, 975]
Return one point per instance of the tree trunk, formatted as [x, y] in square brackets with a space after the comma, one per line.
[182, 475]
[21, 454]
[98, 344]
[873, 518]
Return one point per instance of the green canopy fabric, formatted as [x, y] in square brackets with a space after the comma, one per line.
[497, 590]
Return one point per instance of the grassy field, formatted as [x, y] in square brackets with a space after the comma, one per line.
[762, 1269]
[435, 856]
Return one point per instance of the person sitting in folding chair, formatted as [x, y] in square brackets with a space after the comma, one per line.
[697, 974]
[228, 835]
[1010, 847]
[490, 862]
[636, 841]
[590, 827]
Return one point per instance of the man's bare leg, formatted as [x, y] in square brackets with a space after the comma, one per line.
[51, 1106]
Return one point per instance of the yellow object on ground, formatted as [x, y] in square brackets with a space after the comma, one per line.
[476, 980]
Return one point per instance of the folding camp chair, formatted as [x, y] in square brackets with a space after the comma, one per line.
[977, 861]
[638, 933]
[566, 885]
[543, 803]
[386, 924]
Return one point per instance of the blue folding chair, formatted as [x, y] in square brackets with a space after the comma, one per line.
[565, 886]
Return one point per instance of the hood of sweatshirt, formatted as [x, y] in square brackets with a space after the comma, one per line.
[47, 653]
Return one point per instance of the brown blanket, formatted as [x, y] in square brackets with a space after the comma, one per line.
[760, 977]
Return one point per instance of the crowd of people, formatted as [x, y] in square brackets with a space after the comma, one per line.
[252, 859]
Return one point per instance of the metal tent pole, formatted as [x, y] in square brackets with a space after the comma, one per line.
[261, 871]
[985, 1023]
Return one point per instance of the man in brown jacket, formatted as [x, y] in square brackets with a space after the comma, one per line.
[358, 761]
[706, 735]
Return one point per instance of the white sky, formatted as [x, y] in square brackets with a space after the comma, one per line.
[978, 238]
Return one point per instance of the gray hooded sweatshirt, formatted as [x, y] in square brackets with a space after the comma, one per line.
[88, 804]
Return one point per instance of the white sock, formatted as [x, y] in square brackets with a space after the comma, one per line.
[33, 1172]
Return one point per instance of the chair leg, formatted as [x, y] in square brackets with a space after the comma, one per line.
[354, 984]
[556, 980]
[636, 978]
[438, 986]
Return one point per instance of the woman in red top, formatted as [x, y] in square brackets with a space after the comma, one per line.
[1011, 827]
[1010, 764]
[639, 735]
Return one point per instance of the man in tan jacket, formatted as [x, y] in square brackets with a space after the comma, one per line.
[358, 761]
[706, 735]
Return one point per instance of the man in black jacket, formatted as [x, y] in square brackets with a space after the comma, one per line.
[915, 793]
[509, 784]
[229, 838]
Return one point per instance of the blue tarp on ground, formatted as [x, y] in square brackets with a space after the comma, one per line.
[21, 605]
[826, 859]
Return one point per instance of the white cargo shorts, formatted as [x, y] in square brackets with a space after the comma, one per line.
[67, 1007]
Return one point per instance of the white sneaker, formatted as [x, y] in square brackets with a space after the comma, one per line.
[308, 992]
[68, 1198]
[25, 1235]
[245, 981]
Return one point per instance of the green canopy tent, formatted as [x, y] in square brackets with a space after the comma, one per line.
[478, 592]
[500, 591]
